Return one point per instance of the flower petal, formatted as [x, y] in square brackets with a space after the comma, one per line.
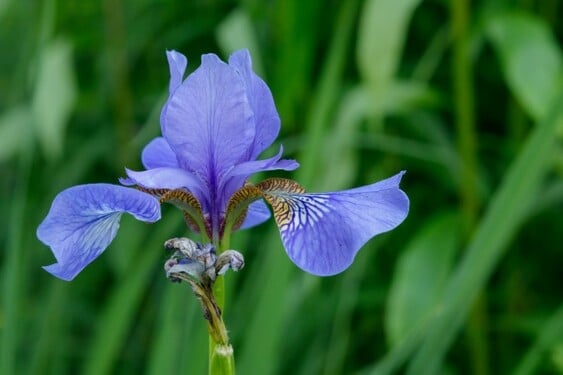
[157, 153]
[178, 64]
[257, 213]
[208, 122]
[261, 102]
[323, 232]
[274, 163]
[84, 219]
[166, 178]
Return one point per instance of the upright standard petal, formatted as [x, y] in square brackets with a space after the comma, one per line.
[84, 219]
[266, 118]
[157, 153]
[177, 63]
[208, 122]
[323, 232]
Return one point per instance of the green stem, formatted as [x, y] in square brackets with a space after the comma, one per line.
[221, 355]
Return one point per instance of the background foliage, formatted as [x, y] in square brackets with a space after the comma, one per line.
[466, 97]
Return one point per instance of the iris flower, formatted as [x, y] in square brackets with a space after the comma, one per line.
[215, 124]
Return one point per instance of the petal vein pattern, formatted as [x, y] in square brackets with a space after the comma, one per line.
[208, 121]
[323, 232]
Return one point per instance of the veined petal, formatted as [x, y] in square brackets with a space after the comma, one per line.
[208, 122]
[157, 153]
[166, 178]
[257, 213]
[84, 219]
[261, 101]
[323, 232]
[178, 64]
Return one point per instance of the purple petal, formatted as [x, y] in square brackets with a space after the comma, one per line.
[323, 232]
[208, 122]
[274, 163]
[257, 213]
[166, 178]
[237, 176]
[84, 219]
[158, 154]
[178, 64]
[261, 102]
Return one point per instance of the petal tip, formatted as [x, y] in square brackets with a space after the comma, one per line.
[59, 272]
[177, 64]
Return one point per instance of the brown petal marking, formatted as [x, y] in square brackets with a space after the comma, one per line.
[189, 205]
[237, 208]
[158, 193]
[276, 191]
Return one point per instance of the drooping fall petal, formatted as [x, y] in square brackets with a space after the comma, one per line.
[323, 232]
[84, 219]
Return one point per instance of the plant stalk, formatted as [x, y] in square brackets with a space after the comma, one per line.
[465, 120]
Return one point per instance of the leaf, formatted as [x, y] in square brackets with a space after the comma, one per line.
[420, 276]
[54, 96]
[549, 338]
[530, 57]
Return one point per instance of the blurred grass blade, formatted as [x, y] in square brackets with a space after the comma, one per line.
[296, 45]
[420, 276]
[531, 59]
[237, 32]
[345, 299]
[121, 306]
[550, 335]
[340, 148]
[14, 270]
[15, 131]
[263, 334]
[50, 332]
[381, 35]
[176, 335]
[326, 96]
[54, 96]
[501, 220]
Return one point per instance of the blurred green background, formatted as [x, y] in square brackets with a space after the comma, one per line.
[467, 97]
